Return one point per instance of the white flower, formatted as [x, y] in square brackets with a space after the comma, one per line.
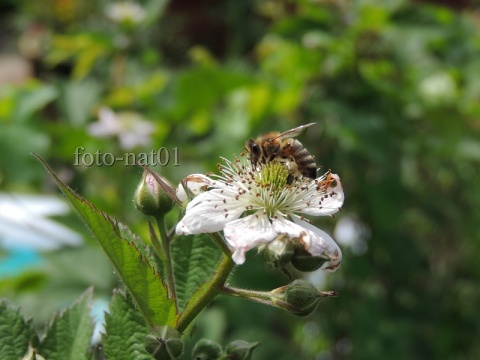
[24, 222]
[195, 184]
[268, 203]
[132, 130]
[125, 12]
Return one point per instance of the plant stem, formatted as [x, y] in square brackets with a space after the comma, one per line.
[263, 297]
[156, 242]
[206, 293]
[220, 242]
[165, 249]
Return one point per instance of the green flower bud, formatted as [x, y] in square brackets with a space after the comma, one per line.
[240, 350]
[164, 344]
[150, 198]
[303, 297]
[279, 251]
[207, 350]
[302, 260]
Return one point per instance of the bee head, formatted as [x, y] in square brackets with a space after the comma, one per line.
[253, 149]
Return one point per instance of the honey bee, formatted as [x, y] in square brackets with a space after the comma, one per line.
[282, 147]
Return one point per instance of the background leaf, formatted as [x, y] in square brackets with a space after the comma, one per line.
[15, 332]
[142, 281]
[68, 336]
[125, 331]
[194, 259]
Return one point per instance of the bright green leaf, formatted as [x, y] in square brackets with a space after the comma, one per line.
[68, 336]
[132, 262]
[32, 100]
[77, 99]
[125, 331]
[15, 332]
[194, 259]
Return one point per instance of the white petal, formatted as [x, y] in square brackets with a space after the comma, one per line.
[328, 203]
[321, 244]
[284, 226]
[196, 183]
[108, 124]
[209, 212]
[246, 233]
[129, 141]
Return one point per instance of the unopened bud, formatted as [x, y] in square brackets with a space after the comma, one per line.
[279, 251]
[150, 198]
[304, 297]
[240, 350]
[207, 350]
[302, 260]
[164, 344]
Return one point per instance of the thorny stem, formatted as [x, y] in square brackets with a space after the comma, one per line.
[164, 248]
[206, 293]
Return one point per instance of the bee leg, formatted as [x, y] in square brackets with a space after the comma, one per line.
[290, 179]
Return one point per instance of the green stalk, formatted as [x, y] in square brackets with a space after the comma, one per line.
[164, 248]
[221, 243]
[157, 245]
[263, 297]
[206, 293]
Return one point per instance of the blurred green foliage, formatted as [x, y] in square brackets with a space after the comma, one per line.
[394, 89]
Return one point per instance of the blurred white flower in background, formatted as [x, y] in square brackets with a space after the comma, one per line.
[350, 232]
[125, 12]
[438, 88]
[131, 128]
[24, 222]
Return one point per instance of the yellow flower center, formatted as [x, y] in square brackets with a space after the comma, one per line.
[273, 176]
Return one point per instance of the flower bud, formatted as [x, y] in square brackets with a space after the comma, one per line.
[207, 350]
[150, 198]
[304, 297]
[164, 344]
[279, 251]
[302, 260]
[240, 350]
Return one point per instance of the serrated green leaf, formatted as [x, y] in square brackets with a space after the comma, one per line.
[125, 331]
[15, 333]
[194, 259]
[130, 259]
[68, 335]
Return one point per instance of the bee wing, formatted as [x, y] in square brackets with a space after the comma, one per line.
[292, 132]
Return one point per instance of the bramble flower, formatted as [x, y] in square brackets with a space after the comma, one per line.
[270, 208]
[126, 11]
[130, 128]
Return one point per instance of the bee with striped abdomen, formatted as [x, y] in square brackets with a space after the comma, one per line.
[284, 148]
